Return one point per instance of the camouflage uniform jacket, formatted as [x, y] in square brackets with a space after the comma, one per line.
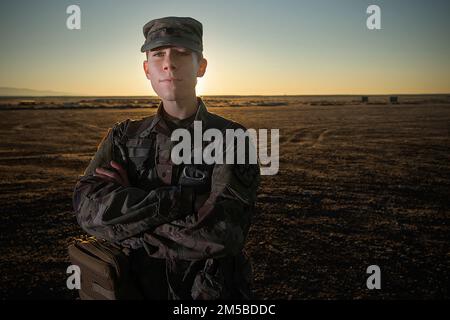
[198, 230]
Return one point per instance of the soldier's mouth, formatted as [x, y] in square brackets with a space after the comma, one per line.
[170, 80]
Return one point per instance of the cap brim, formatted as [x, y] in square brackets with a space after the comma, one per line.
[170, 41]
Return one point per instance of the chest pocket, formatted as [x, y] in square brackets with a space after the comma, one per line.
[141, 154]
[164, 165]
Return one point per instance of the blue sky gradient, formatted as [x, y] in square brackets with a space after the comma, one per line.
[252, 47]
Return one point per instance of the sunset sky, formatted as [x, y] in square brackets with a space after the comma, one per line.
[263, 47]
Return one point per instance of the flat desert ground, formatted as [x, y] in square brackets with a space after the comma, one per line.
[358, 185]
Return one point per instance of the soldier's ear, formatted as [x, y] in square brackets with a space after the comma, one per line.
[146, 71]
[202, 67]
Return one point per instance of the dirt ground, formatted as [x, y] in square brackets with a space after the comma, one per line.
[358, 185]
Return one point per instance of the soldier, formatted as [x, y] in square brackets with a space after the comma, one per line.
[186, 224]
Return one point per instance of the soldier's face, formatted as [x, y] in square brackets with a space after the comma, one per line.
[173, 72]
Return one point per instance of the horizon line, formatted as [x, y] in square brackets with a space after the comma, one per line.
[230, 95]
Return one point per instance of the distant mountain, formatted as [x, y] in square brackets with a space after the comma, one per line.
[21, 92]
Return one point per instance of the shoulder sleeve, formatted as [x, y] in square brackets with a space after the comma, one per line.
[103, 155]
[242, 177]
[105, 150]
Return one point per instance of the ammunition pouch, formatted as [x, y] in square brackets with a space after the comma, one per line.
[105, 271]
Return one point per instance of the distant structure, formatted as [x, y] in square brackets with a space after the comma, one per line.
[393, 99]
[364, 99]
[28, 102]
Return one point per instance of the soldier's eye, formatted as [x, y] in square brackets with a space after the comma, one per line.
[158, 54]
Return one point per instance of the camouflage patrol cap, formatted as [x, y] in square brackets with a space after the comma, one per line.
[173, 31]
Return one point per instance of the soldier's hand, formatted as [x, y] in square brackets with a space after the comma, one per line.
[119, 175]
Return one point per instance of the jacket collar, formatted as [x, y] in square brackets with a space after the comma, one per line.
[159, 125]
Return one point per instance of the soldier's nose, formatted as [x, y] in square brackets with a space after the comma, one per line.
[169, 63]
[169, 67]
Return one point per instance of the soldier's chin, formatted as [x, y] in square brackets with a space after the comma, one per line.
[171, 95]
